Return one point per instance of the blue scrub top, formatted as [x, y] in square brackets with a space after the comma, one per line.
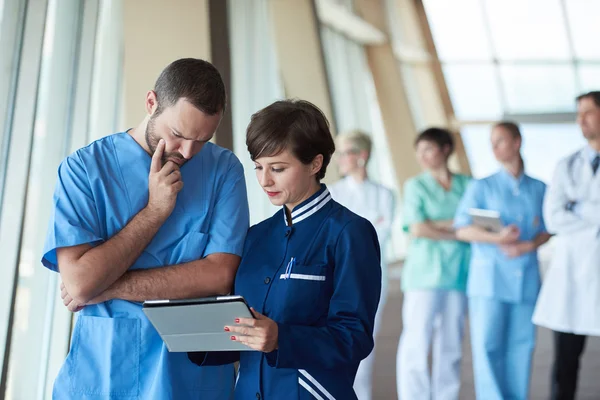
[519, 201]
[115, 352]
[324, 305]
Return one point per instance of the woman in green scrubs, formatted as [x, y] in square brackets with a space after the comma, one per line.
[434, 275]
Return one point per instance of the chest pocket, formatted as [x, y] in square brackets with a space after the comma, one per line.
[190, 248]
[182, 238]
[304, 292]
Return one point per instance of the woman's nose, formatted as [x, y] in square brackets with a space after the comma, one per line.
[265, 179]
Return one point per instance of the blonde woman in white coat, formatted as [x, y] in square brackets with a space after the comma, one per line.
[374, 202]
[570, 297]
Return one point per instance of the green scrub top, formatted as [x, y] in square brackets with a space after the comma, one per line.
[434, 264]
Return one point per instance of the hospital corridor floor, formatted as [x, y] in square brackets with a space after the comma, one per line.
[384, 385]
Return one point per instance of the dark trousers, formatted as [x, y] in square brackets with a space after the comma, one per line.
[568, 348]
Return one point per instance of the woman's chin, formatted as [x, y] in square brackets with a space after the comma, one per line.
[276, 201]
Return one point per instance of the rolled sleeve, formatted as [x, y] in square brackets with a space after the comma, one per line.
[413, 211]
[73, 219]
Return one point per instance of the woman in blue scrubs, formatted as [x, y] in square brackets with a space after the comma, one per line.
[504, 278]
[311, 272]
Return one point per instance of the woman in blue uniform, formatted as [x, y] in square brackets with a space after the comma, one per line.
[311, 272]
[504, 278]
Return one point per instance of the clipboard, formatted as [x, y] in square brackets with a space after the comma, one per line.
[486, 219]
[197, 324]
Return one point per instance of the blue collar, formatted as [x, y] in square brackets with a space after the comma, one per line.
[511, 181]
[510, 177]
[309, 206]
[590, 153]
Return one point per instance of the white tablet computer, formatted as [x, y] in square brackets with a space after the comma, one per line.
[197, 324]
[486, 219]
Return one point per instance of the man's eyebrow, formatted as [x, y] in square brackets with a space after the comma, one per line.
[183, 137]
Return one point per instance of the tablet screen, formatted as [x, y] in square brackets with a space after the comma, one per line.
[202, 300]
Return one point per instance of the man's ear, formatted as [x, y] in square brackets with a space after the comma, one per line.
[151, 102]
[364, 155]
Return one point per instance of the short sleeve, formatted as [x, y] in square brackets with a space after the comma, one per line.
[464, 182]
[230, 219]
[413, 210]
[73, 218]
[470, 199]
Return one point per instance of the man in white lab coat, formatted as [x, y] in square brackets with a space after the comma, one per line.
[569, 301]
[374, 202]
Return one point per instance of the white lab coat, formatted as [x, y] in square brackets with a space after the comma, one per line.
[569, 300]
[375, 203]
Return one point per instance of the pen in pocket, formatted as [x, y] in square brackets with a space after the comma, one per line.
[289, 267]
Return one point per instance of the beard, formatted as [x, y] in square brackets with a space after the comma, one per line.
[152, 140]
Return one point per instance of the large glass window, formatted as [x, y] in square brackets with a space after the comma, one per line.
[11, 36]
[543, 146]
[538, 88]
[255, 83]
[355, 107]
[52, 58]
[515, 56]
[474, 90]
[527, 29]
[20, 112]
[36, 291]
[589, 77]
[443, 16]
[524, 60]
[584, 28]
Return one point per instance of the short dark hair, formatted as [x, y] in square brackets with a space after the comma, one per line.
[511, 127]
[440, 136]
[198, 81]
[295, 125]
[594, 95]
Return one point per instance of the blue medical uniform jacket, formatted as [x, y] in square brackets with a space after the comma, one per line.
[324, 306]
[519, 201]
[115, 352]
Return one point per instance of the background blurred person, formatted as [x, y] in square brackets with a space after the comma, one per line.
[374, 202]
[434, 275]
[504, 278]
[570, 297]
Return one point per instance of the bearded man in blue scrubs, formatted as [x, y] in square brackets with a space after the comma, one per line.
[157, 212]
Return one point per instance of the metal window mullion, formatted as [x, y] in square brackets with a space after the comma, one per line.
[571, 44]
[18, 166]
[107, 70]
[11, 40]
[495, 59]
[117, 25]
[58, 319]
[82, 95]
